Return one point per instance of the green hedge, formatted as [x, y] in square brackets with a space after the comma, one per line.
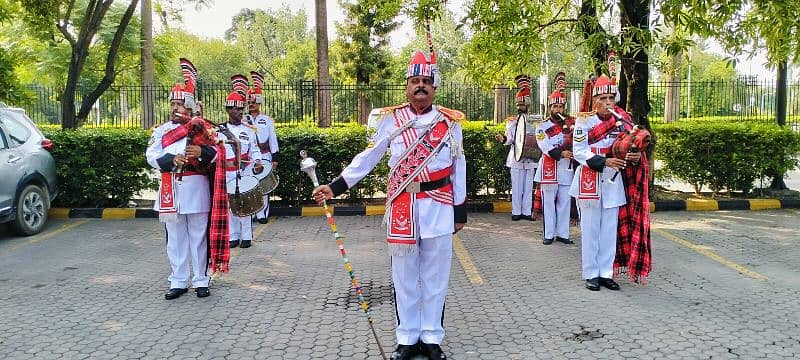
[333, 149]
[725, 156]
[106, 167]
[99, 167]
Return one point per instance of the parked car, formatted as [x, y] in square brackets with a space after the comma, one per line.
[27, 173]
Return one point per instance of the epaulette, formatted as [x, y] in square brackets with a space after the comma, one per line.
[453, 115]
[389, 109]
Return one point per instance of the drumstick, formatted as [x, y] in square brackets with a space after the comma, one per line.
[308, 165]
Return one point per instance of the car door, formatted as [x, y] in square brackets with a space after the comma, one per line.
[12, 167]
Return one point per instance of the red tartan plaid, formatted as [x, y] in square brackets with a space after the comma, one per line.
[218, 235]
[174, 135]
[601, 130]
[537, 202]
[633, 230]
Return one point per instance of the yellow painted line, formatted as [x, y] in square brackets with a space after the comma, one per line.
[375, 209]
[466, 261]
[710, 254]
[58, 213]
[119, 213]
[44, 236]
[652, 207]
[260, 229]
[701, 205]
[501, 206]
[312, 211]
[762, 204]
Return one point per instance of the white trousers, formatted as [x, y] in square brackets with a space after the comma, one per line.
[521, 191]
[264, 213]
[187, 237]
[241, 228]
[420, 286]
[555, 206]
[598, 241]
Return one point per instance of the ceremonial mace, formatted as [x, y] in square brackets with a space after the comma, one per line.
[308, 165]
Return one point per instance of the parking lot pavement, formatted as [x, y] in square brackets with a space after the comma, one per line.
[724, 285]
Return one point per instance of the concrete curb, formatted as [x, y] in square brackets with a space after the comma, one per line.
[497, 207]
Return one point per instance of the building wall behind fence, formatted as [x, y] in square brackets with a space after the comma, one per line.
[293, 102]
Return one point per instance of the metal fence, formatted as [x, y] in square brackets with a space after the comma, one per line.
[291, 103]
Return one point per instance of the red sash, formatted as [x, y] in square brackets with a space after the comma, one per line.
[401, 232]
[167, 206]
[549, 170]
[590, 180]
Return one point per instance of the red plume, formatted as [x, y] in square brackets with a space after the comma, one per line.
[586, 96]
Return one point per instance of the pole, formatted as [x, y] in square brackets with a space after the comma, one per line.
[308, 166]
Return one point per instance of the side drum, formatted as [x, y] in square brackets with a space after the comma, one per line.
[247, 199]
[267, 179]
[525, 145]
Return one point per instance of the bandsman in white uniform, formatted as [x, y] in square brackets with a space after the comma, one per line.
[425, 203]
[241, 227]
[555, 170]
[184, 200]
[522, 172]
[265, 131]
[598, 197]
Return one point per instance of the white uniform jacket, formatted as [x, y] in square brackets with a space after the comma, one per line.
[267, 139]
[611, 194]
[249, 149]
[511, 160]
[434, 218]
[192, 193]
[553, 145]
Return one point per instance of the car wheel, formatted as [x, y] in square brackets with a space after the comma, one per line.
[32, 207]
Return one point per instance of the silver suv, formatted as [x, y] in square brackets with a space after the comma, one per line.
[27, 173]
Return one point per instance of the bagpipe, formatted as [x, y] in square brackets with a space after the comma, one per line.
[635, 140]
[200, 132]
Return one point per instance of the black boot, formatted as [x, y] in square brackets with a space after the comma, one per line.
[405, 352]
[433, 351]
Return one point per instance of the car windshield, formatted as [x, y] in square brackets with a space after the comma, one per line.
[16, 125]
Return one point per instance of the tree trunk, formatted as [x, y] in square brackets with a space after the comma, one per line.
[672, 98]
[364, 107]
[780, 111]
[323, 93]
[590, 26]
[148, 116]
[500, 101]
[635, 16]
[108, 78]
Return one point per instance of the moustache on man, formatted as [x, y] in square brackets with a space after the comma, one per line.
[421, 90]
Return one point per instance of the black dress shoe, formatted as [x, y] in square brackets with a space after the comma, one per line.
[528, 217]
[174, 293]
[565, 241]
[516, 217]
[593, 284]
[262, 221]
[609, 284]
[202, 291]
[433, 351]
[234, 243]
[245, 244]
[547, 241]
[405, 352]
